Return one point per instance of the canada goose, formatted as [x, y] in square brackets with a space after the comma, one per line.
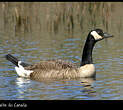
[58, 69]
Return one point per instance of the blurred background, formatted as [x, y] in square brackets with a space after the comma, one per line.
[59, 17]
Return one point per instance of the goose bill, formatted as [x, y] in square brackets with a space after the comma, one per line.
[106, 35]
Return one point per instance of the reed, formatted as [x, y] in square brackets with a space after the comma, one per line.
[57, 16]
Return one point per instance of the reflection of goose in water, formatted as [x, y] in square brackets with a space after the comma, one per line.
[88, 89]
[20, 81]
[87, 81]
[61, 69]
[47, 89]
[22, 87]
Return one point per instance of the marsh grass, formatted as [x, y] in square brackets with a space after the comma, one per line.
[55, 17]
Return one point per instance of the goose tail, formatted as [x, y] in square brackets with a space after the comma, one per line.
[20, 66]
[12, 59]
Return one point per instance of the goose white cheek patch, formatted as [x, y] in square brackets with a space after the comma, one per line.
[96, 35]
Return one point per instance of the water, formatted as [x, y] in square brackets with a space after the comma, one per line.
[30, 39]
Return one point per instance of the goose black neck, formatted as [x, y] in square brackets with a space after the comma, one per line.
[87, 51]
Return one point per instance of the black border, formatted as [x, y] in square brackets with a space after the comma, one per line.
[60, 1]
[62, 104]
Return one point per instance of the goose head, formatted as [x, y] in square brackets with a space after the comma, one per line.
[98, 34]
[93, 36]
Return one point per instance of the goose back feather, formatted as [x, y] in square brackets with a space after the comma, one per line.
[53, 69]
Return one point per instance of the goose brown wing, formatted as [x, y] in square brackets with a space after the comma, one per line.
[51, 64]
